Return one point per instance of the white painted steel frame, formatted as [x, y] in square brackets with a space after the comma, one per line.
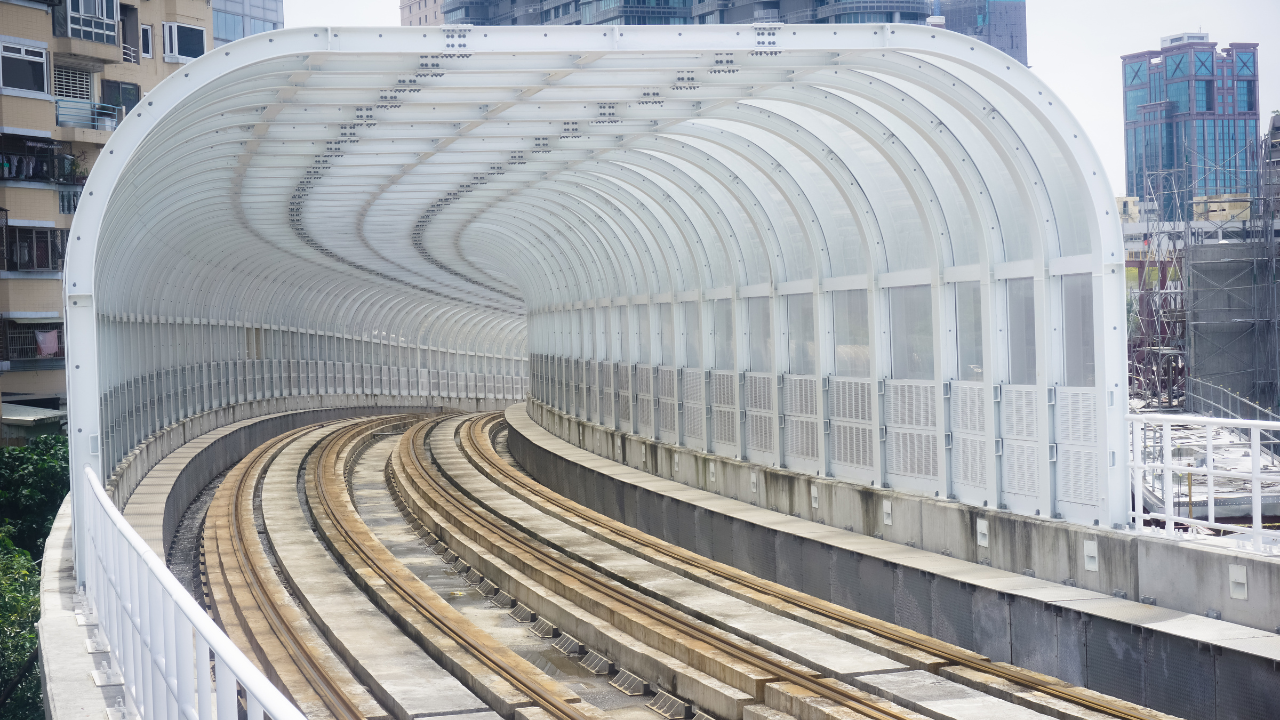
[392, 207]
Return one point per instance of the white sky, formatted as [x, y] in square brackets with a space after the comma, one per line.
[1073, 45]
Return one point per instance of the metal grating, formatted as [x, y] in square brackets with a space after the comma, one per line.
[667, 415]
[1019, 417]
[724, 389]
[1078, 473]
[72, 84]
[912, 453]
[851, 399]
[910, 404]
[760, 432]
[694, 421]
[667, 382]
[802, 438]
[725, 424]
[969, 456]
[692, 386]
[852, 445]
[1020, 464]
[759, 392]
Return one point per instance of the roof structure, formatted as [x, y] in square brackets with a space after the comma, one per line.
[313, 209]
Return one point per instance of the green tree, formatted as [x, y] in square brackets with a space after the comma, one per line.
[19, 610]
[33, 481]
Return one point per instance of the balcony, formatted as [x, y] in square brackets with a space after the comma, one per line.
[129, 53]
[88, 115]
[35, 250]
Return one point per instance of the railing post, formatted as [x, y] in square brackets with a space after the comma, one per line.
[1167, 455]
[1208, 469]
[1137, 467]
[1255, 480]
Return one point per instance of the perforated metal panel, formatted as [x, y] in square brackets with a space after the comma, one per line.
[1021, 469]
[802, 428]
[851, 399]
[1019, 412]
[724, 414]
[644, 399]
[762, 421]
[1116, 661]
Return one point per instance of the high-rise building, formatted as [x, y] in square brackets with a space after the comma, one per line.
[422, 12]
[234, 19]
[70, 72]
[1190, 122]
[1001, 24]
[661, 12]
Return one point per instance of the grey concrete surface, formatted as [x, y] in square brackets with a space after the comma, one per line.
[1138, 652]
[65, 661]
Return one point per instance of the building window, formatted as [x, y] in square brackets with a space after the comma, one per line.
[1135, 73]
[34, 248]
[1175, 66]
[22, 68]
[182, 43]
[68, 201]
[1204, 63]
[260, 26]
[227, 27]
[1204, 96]
[93, 20]
[1132, 99]
[72, 84]
[1244, 63]
[146, 41]
[35, 341]
[1244, 96]
[120, 94]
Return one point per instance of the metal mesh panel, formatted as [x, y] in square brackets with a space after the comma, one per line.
[912, 600]
[1115, 665]
[953, 613]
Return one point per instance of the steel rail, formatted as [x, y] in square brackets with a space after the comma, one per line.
[333, 697]
[484, 449]
[329, 454]
[655, 611]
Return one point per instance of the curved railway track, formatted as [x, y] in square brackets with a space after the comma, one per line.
[476, 440]
[282, 635]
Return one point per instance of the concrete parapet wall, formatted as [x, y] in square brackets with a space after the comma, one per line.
[931, 574]
[168, 471]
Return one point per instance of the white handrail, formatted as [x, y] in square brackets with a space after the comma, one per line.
[160, 637]
[1164, 467]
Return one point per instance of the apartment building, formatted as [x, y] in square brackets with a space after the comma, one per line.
[69, 71]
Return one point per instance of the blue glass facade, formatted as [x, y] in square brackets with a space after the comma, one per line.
[1191, 110]
[234, 19]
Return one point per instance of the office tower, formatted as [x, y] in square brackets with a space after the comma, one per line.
[234, 19]
[662, 12]
[1190, 122]
[422, 12]
[999, 23]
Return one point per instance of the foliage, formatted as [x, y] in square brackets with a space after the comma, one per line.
[33, 481]
[19, 610]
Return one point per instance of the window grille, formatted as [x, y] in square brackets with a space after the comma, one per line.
[35, 341]
[34, 248]
[72, 84]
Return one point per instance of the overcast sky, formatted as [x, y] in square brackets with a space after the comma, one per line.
[1074, 45]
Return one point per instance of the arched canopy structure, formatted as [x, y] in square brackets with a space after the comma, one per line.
[882, 253]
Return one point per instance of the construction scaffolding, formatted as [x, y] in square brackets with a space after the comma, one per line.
[1204, 300]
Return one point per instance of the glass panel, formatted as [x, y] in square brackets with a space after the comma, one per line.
[1077, 338]
[760, 334]
[911, 332]
[645, 345]
[801, 351]
[692, 335]
[22, 74]
[969, 330]
[1135, 73]
[722, 327]
[1132, 99]
[1022, 331]
[190, 41]
[667, 328]
[853, 333]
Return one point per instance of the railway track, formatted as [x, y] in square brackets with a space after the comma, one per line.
[477, 443]
[295, 495]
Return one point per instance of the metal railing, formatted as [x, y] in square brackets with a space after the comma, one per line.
[1152, 466]
[130, 53]
[160, 638]
[90, 115]
[1209, 399]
